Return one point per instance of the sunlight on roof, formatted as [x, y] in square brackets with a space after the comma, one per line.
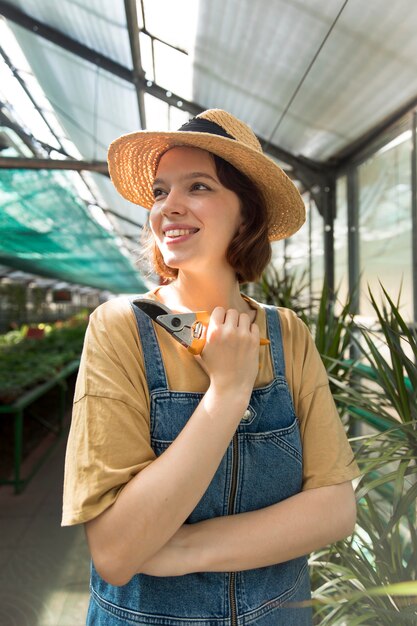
[14, 96]
[12, 48]
[100, 217]
[173, 22]
[405, 136]
[174, 25]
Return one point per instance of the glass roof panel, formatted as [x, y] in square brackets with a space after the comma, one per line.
[39, 120]
[172, 22]
[93, 106]
[171, 26]
[97, 24]
[157, 117]
[23, 109]
[9, 43]
[177, 118]
[173, 70]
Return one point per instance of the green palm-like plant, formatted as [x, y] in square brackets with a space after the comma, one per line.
[371, 578]
[332, 331]
[284, 290]
[330, 325]
[380, 555]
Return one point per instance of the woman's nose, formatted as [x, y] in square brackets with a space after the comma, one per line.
[173, 203]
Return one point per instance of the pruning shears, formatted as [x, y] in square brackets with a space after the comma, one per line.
[187, 328]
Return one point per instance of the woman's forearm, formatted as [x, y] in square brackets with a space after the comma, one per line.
[156, 502]
[281, 532]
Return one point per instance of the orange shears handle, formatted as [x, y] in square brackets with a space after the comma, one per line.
[199, 329]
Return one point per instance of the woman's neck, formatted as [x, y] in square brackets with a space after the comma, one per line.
[194, 293]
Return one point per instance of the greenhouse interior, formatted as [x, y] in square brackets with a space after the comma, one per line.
[330, 90]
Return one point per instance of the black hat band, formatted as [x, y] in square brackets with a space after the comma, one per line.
[201, 125]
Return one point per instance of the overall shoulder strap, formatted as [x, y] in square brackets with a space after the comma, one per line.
[154, 365]
[275, 337]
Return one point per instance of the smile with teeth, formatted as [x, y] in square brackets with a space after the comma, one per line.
[179, 232]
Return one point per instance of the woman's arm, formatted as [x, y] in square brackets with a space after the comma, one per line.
[281, 532]
[155, 503]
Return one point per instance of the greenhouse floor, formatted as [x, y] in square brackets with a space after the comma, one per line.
[44, 569]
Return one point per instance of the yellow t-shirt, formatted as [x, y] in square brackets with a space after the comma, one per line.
[109, 439]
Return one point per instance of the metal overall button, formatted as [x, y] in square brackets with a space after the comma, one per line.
[247, 415]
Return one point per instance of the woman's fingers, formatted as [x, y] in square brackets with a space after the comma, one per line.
[230, 319]
[231, 353]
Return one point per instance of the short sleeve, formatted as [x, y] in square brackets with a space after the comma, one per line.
[109, 439]
[327, 455]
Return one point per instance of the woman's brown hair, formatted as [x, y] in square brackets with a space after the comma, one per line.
[249, 252]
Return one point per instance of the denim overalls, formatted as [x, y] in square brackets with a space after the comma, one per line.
[262, 465]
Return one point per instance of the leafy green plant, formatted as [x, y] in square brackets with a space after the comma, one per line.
[332, 331]
[370, 578]
[330, 325]
[382, 553]
[26, 362]
[284, 290]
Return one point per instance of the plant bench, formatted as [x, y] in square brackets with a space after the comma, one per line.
[17, 410]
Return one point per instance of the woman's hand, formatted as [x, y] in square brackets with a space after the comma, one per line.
[231, 354]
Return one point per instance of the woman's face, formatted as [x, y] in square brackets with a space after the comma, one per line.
[194, 217]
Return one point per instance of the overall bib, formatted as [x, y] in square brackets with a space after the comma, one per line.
[262, 466]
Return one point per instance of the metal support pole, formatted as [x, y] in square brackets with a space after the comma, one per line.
[355, 428]
[138, 73]
[414, 210]
[310, 254]
[329, 212]
[353, 238]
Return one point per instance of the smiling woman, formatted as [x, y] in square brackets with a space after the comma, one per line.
[248, 251]
[204, 482]
[194, 217]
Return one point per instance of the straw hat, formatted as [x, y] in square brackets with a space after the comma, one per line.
[133, 160]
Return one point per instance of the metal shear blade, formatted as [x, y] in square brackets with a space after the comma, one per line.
[182, 326]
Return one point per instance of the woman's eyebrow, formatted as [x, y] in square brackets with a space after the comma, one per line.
[190, 176]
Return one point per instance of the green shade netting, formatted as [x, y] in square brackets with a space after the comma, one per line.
[46, 229]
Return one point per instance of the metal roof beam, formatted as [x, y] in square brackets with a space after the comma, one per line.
[138, 73]
[13, 163]
[122, 218]
[357, 149]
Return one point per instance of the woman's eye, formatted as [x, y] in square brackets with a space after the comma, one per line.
[157, 193]
[199, 187]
